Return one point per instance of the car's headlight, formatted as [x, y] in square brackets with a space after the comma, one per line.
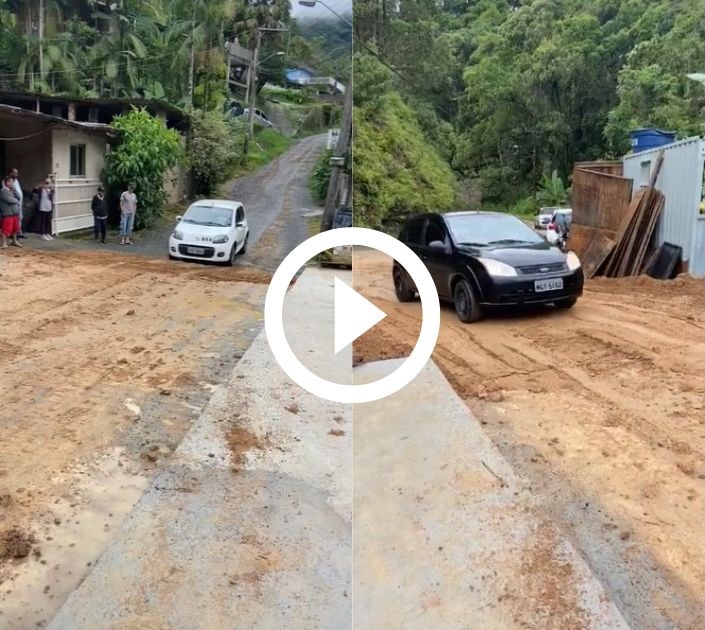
[221, 238]
[178, 235]
[572, 261]
[497, 268]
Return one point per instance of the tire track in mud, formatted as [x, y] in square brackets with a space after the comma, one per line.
[600, 408]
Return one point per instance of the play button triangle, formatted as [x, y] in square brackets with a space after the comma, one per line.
[354, 315]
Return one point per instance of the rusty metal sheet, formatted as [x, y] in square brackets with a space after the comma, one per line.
[599, 199]
[609, 167]
[600, 247]
[592, 246]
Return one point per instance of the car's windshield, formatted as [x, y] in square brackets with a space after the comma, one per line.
[490, 229]
[209, 215]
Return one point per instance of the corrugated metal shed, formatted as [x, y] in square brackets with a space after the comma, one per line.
[681, 181]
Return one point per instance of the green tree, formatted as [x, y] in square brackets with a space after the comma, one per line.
[144, 153]
[215, 147]
[396, 170]
[552, 191]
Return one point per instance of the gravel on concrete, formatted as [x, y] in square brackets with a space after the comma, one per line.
[446, 535]
[250, 524]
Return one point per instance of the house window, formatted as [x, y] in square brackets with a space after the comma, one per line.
[78, 160]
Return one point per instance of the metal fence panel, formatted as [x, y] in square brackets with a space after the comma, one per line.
[681, 181]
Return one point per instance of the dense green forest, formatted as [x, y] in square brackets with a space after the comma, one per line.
[497, 94]
[164, 49]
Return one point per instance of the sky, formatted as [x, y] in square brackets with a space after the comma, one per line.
[340, 6]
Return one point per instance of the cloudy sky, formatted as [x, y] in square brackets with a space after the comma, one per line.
[340, 6]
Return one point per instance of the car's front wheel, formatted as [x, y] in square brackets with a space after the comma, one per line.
[465, 302]
[567, 303]
[244, 245]
[231, 258]
[401, 286]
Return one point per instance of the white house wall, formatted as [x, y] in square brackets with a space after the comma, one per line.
[681, 181]
[74, 194]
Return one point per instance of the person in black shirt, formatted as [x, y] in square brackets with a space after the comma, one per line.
[100, 214]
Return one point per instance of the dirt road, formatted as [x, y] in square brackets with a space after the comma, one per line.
[107, 359]
[601, 409]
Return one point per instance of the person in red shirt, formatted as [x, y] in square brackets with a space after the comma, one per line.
[10, 213]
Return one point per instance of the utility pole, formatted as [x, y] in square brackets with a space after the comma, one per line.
[41, 39]
[252, 85]
[338, 162]
[192, 67]
[254, 76]
[227, 71]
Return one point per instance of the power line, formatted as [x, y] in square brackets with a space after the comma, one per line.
[401, 76]
[138, 60]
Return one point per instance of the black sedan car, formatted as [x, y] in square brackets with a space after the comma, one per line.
[480, 259]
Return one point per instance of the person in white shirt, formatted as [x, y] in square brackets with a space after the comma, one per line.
[128, 208]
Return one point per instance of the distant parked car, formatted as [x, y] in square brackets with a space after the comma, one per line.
[214, 230]
[479, 259]
[260, 118]
[543, 216]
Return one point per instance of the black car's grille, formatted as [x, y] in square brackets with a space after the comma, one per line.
[207, 251]
[530, 270]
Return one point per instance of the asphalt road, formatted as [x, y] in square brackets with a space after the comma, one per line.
[274, 196]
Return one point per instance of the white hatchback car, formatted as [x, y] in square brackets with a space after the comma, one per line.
[213, 230]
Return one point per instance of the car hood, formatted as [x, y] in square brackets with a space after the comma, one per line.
[202, 230]
[519, 255]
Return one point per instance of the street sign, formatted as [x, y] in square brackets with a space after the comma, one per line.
[333, 135]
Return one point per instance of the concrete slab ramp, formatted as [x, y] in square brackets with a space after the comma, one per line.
[446, 535]
[250, 524]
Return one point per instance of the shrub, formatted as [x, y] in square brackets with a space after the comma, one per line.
[143, 154]
[320, 178]
[215, 147]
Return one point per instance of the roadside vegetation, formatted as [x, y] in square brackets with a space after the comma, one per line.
[144, 154]
[500, 94]
[320, 177]
[172, 51]
[268, 145]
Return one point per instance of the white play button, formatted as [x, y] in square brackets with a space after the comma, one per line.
[354, 315]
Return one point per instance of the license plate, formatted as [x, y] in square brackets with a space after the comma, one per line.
[198, 251]
[554, 284]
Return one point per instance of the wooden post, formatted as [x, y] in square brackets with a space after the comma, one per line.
[253, 85]
[341, 149]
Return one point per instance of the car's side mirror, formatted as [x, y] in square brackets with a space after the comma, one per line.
[178, 218]
[239, 223]
[437, 246]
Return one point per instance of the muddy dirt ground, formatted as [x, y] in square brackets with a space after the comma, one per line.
[106, 359]
[601, 409]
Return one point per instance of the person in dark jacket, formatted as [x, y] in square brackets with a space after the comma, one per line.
[10, 212]
[100, 214]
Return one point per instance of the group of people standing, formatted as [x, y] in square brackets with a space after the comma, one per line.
[11, 214]
[128, 209]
